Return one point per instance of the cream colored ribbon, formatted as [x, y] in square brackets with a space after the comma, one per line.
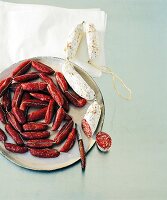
[115, 78]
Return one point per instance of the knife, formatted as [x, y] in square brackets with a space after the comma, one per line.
[81, 147]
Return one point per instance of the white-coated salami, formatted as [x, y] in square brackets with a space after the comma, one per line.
[73, 41]
[91, 119]
[77, 83]
[103, 141]
[92, 41]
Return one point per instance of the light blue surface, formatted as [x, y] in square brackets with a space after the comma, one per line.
[136, 46]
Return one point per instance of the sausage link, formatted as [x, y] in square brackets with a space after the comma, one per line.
[50, 112]
[14, 134]
[26, 77]
[92, 41]
[19, 115]
[42, 67]
[32, 135]
[17, 96]
[13, 121]
[69, 142]
[52, 89]
[32, 126]
[37, 115]
[77, 83]
[45, 153]
[40, 143]
[75, 99]
[22, 68]
[33, 103]
[34, 86]
[61, 81]
[91, 119]
[40, 96]
[73, 41]
[15, 148]
[5, 85]
[58, 119]
[64, 132]
[2, 81]
[23, 106]
[3, 136]
[66, 103]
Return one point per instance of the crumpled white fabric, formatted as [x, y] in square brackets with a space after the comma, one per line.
[28, 30]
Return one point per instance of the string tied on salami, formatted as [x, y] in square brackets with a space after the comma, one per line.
[115, 78]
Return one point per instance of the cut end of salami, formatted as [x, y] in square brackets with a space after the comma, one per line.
[86, 128]
[103, 141]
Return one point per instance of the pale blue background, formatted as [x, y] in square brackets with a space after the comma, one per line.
[136, 46]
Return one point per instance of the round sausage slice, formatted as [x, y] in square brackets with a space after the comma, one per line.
[103, 141]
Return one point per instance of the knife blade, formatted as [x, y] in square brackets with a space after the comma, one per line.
[81, 147]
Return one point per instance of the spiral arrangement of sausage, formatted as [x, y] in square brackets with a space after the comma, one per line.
[51, 95]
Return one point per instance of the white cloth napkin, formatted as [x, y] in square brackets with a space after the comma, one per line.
[28, 30]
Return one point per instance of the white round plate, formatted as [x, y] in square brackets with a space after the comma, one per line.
[65, 159]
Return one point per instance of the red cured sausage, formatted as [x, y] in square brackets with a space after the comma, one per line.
[33, 103]
[1, 82]
[52, 89]
[32, 126]
[2, 115]
[34, 86]
[13, 121]
[58, 119]
[40, 143]
[37, 115]
[50, 112]
[42, 67]
[23, 106]
[64, 132]
[61, 81]
[31, 135]
[22, 68]
[19, 115]
[40, 96]
[14, 134]
[75, 99]
[17, 96]
[56, 95]
[69, 142]
[65, 104]
[15, 148]
[5, 85]
[103, 141]
[26, 77]
[45, 78]
[45, 153]
[3, 136]
[6, 101]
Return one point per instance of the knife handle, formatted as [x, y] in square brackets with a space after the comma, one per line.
[82, 154]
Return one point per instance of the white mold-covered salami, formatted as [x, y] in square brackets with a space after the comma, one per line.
[92, 41]
[91, 119]
[77, 83]
[103, 141]
[73, 41]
